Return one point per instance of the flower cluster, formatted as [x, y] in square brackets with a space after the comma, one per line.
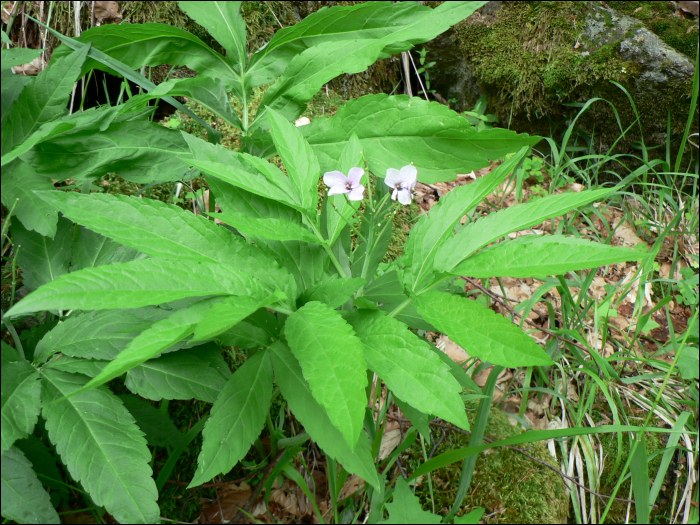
[402, 181]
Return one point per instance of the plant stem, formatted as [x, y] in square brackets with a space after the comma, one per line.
[280, 309]
[330, 253]
[400, 308]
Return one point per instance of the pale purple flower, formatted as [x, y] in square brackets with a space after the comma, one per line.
[339, 183]
[403, 182]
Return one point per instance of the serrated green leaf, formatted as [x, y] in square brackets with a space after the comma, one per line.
[298, 157]
[409, 367]
[43, 100]
[259, 329]
[307, 264]
[233, 199]
[308, 72]
[19, 181]
[331, 357]
[273, 229]
[165, 230]
[9, 354]
[312, 415]
[43, 259]
[481, 232]
[334, 292]
[481, 332]
[417, 418]
[398, 27]
[535, 256]
[237, 417]
[204, 90]
[226, 314]
[159, 429]
[23, 498]
[99, 442]
[21, 402]
[138, 45]
[437, 226]
[224, 22]
[398, 130]
[91, 335]
[178, 375]
[18, 56]
[76, 365]
[252, 182]
[406, 508]
[138, 283]
[44, 463]
[158, 337]
[386, 288]
[91, 249]
[139, 151]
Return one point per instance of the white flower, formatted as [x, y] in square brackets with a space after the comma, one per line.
[339, 183]
[403, 182]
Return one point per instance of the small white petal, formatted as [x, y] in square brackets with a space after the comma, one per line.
[334, 178]
[409, 175]
[393, 176]
[405, 197]
[394, 194]
[355, 175]
[357, 193]
[337, 190]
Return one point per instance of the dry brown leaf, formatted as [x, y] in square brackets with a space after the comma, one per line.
[452, 349]
[231, 498]
[107, 13]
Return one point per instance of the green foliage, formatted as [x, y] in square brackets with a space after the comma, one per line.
[144, 289]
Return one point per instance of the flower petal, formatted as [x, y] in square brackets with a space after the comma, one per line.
[335, 178]
[409, 176]
[355, 176]
[393, 176]
[357, 193]
[337, 190]
[405, 197]
[394, 194]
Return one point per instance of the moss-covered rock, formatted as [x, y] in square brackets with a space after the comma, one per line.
[510, 486]
[531, 58]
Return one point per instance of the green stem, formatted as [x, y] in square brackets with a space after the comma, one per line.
[357, 232]
[280, 309]
[400, 308]
[330, 253]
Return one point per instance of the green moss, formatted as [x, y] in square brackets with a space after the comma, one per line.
[534, 57]
[678, 31]
[511, 487]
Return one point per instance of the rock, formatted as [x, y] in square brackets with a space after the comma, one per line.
[529, 59]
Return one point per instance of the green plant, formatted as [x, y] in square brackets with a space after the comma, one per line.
[140, 288]
[478, 117]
